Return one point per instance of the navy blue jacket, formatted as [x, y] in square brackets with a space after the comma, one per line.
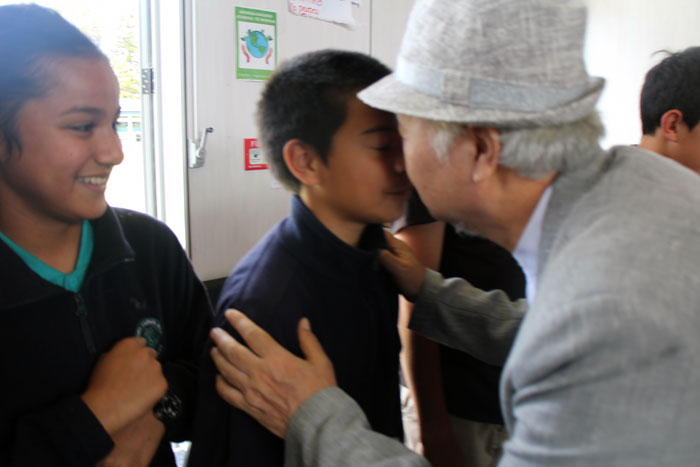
[139, 282]
[300, 269]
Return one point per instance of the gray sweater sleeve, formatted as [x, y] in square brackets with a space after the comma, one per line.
[330, 430]
[459, 315]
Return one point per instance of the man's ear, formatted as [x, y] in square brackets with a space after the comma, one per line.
[302, 161]
[670, 125]
[488, 152]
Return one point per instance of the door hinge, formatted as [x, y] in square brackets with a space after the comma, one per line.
[147, 81]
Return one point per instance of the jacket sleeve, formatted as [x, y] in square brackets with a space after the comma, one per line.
[459, 315]
[225, 435]
[189, 318]
[330, 429]
[66, 433]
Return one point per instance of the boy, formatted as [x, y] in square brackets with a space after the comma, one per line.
[343, 161]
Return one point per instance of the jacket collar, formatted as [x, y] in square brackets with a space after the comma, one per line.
[20, 285]
[318, 248]
[567, 190]
[111, 246]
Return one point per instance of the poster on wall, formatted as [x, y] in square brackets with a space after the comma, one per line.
[256, 33]
[333, 11]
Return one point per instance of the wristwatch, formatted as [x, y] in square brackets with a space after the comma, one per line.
[168, 408]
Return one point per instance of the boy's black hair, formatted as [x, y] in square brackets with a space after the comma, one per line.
[672, 84]
[28, 34]
[306, 98]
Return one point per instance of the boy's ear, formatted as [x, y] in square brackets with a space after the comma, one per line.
[670, 124]
[488, 152]
[302, 161]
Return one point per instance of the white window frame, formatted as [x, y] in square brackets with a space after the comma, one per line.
[166, 168]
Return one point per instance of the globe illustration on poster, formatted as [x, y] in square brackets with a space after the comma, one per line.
[257, 43]
[256, 33]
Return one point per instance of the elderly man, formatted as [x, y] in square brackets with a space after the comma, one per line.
[501, 136]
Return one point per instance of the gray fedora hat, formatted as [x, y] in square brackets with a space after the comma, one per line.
[501, 63]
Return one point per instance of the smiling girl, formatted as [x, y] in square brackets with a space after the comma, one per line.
[101, 315]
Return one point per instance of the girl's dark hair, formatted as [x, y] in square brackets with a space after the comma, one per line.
[28, 34]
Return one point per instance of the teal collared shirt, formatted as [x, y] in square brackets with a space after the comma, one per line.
[71, 281]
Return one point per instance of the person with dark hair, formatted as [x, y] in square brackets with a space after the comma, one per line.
[501, 136]
[342, 160]
[102, 318]
[670, 108]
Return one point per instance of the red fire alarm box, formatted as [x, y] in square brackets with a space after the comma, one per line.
[253, 155]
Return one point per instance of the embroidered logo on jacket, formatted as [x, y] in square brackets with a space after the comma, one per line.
[151, 330]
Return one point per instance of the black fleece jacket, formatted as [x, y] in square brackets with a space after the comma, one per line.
[139, 282]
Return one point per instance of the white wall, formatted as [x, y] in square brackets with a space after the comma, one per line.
[620, 44]
[388, 19]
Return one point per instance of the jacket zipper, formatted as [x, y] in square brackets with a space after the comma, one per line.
[81, 313]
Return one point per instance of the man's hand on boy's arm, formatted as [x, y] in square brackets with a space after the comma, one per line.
[266, 381]
[408, 271]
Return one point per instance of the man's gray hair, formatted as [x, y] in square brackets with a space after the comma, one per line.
[442, 136]
[532, 152]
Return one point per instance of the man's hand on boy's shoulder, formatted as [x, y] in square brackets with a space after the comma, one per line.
[264, 379]
[404, 266]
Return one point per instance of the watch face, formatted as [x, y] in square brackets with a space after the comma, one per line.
[168, 408]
